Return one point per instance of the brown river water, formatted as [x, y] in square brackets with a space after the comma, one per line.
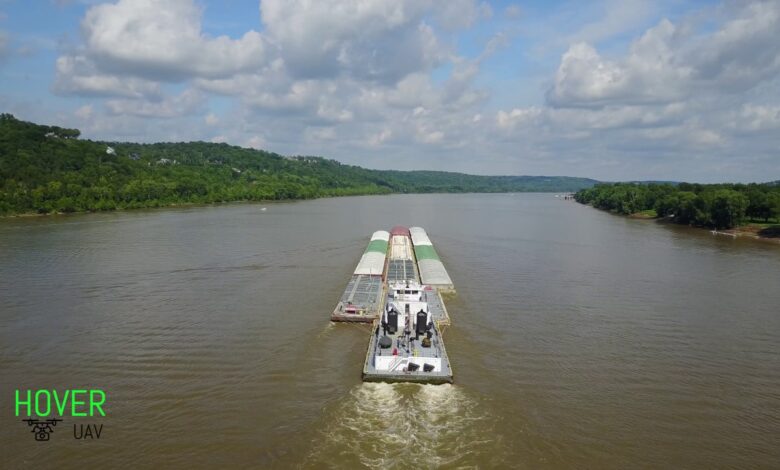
[579, 339]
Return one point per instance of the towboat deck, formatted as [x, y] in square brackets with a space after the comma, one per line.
[414, 353]
[406, 343]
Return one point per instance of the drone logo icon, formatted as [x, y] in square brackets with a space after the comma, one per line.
[42, 428]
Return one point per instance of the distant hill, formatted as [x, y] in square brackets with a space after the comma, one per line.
[48, 168]
[673, 183]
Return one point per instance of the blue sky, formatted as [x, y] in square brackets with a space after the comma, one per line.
[607, 89]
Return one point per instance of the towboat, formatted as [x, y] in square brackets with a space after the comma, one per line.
[406, 343]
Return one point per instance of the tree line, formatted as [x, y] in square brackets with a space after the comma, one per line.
[47, 169]
[721, 206]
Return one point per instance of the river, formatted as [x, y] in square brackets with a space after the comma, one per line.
[579, 339]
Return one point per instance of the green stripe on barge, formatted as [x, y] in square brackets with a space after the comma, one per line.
[379, 246]
[425, 252]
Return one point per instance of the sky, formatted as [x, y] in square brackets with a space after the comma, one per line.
[607, 89]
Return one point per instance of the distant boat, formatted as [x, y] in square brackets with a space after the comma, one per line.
[263, 209]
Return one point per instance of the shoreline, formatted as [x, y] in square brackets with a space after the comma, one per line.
[750, 230]
[248, 201]
[181, 205]
[24, 215]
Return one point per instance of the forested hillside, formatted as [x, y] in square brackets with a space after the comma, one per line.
[49, 169]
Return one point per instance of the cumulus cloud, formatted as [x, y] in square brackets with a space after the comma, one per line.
[316, 59]
[76, 74]
[744, 52]
[366, 80]
[164, 41]
[517, 117]
[186, 103]
[132, 46]
[669, 63]
[381, 40]
[651, 72]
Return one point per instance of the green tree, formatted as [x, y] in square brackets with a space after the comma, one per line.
[728, 208]
[759, 206]
[774, 205]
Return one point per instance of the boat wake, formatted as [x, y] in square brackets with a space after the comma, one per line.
[400, 425]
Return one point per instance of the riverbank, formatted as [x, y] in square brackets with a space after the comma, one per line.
[758, 231]
[168, 206]
[229, 202]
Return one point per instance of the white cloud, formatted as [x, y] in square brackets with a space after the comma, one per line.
[652, 72]
[668, 63]
[255, 142]
[211, 119]
[754, 117]
[378, 81]
[164, 41]
[319, 134]
[324, 61]
[744, 51]
[517, 117]
[429, 136]
[382, 40]
[185, 103]
[381, 137]
[84, 112]
[76, 74]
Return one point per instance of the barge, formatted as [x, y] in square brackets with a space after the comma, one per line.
[363, 297]
[430, 267]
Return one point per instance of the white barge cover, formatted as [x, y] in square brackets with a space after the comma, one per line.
[373, 261]
[432, 271]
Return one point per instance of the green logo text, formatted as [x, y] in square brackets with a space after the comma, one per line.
[44, 403]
